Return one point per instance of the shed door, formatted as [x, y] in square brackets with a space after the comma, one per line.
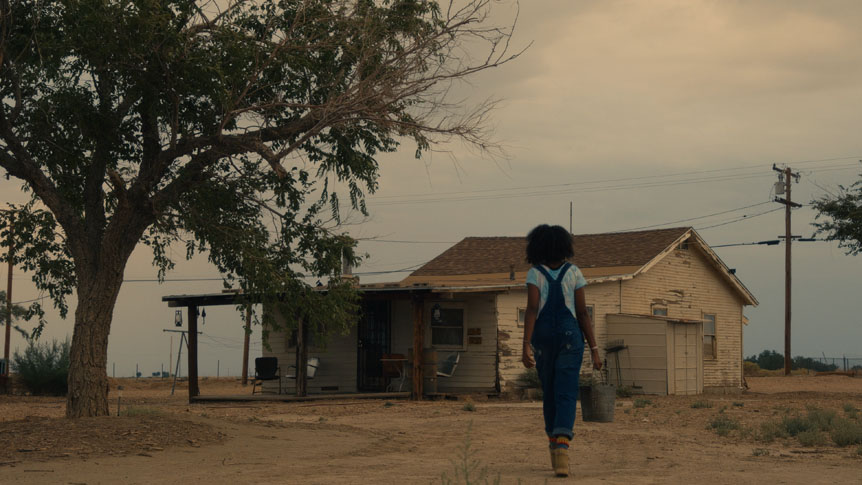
[687, 366]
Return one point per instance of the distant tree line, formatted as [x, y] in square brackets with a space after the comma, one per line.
[772, 360]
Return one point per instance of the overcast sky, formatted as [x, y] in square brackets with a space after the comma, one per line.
[641, 113]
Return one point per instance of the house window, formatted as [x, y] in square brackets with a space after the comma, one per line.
[709, 343]
[659, 311]
[447, 326]
[522, 316]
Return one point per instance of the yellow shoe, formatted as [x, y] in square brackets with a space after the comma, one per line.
[560, 457]
[551, 446]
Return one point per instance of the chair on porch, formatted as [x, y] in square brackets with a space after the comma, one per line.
[394, 370]
[266, 369]
[448, 366]
[310, 370]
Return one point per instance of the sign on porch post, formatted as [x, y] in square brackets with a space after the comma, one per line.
[418, 344]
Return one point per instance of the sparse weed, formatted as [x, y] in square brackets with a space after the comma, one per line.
[851, 411]
[641, 403]
[722, 409]
[760, 452]
[469, 406]
[738, 404]
[467, 469]
[701, 404]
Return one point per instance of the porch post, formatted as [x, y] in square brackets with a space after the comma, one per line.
[418, 344]
[301, 359]
[194, 390]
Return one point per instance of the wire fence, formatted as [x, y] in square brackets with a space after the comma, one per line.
[842, 363]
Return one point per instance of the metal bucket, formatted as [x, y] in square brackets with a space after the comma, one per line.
[597, 402]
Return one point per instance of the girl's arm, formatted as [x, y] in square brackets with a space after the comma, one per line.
[529, 323]
[586, 327]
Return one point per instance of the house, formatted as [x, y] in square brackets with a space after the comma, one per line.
[668, 315]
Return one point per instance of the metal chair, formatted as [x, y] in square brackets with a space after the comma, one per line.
[266, 369]
[448, 366]
[310, 370]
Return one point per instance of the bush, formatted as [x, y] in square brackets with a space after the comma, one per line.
[624, 391]
[701, 404]
[750, 369]
[847, 433]
[723, 425]
[641, 403]
[44, 367]
[530, 379]
[769, 431]
[812, 438]
[794, 425]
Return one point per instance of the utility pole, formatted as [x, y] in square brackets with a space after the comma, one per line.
[784, 177]
[246, 332]
[10, 256]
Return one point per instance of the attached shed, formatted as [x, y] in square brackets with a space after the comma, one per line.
[659, 355]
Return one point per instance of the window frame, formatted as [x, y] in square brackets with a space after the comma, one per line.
[714, 336]
[447, 305]
[654, 308]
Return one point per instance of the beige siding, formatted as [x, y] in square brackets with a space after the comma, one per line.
[644, 362]
[689, 287]
[477, 367]
[337, 370]
[603, 297]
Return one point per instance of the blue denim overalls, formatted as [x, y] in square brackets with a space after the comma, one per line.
[558, 347]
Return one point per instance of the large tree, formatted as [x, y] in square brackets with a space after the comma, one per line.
[225, 126]
[840, 216]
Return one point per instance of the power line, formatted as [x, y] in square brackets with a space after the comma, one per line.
[743, 218]
[696, 218]
[583, 187]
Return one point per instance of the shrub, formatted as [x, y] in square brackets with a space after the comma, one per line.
[769, 431]
[760, 452]
[847, 433]
[530, 379]
[850, 410]
[738, 404]
[624, 391]
[812, 438]
[468, 406]
[701, 404]
[641, 403]
[794, 425]
[723, 425]
[822, 419]
[44, 367]
[750, 369]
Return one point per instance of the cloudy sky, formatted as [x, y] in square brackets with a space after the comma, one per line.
[640, 113]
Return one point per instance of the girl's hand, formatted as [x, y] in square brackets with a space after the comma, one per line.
[597, 361]
[527, 357]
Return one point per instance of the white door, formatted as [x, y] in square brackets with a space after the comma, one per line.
[686, 359]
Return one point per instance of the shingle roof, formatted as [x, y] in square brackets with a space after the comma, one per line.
[483, 255]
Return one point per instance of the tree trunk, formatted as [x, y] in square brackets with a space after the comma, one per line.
[88, 372]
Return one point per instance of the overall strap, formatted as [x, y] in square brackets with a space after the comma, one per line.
[563, 270]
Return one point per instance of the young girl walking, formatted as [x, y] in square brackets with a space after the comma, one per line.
[555, 325]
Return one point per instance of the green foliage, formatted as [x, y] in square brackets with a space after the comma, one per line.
[738, 404]
[723, 425]
[847, 433]
[812, 438]
[530, 379]
[841, 217]
[18, 313]
[641, 403]
[250, 134]
[760, 452]
[772, 360]
[850, 410]
[468, 470]
[625, 391]
[701, 405]
[43, 367]
[469, 406]
[769, 431]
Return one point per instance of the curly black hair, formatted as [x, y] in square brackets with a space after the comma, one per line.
[549, 244]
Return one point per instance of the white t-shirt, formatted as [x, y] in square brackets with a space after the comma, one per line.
[573, 280]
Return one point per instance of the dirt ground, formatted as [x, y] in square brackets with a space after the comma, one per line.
[162, 439]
